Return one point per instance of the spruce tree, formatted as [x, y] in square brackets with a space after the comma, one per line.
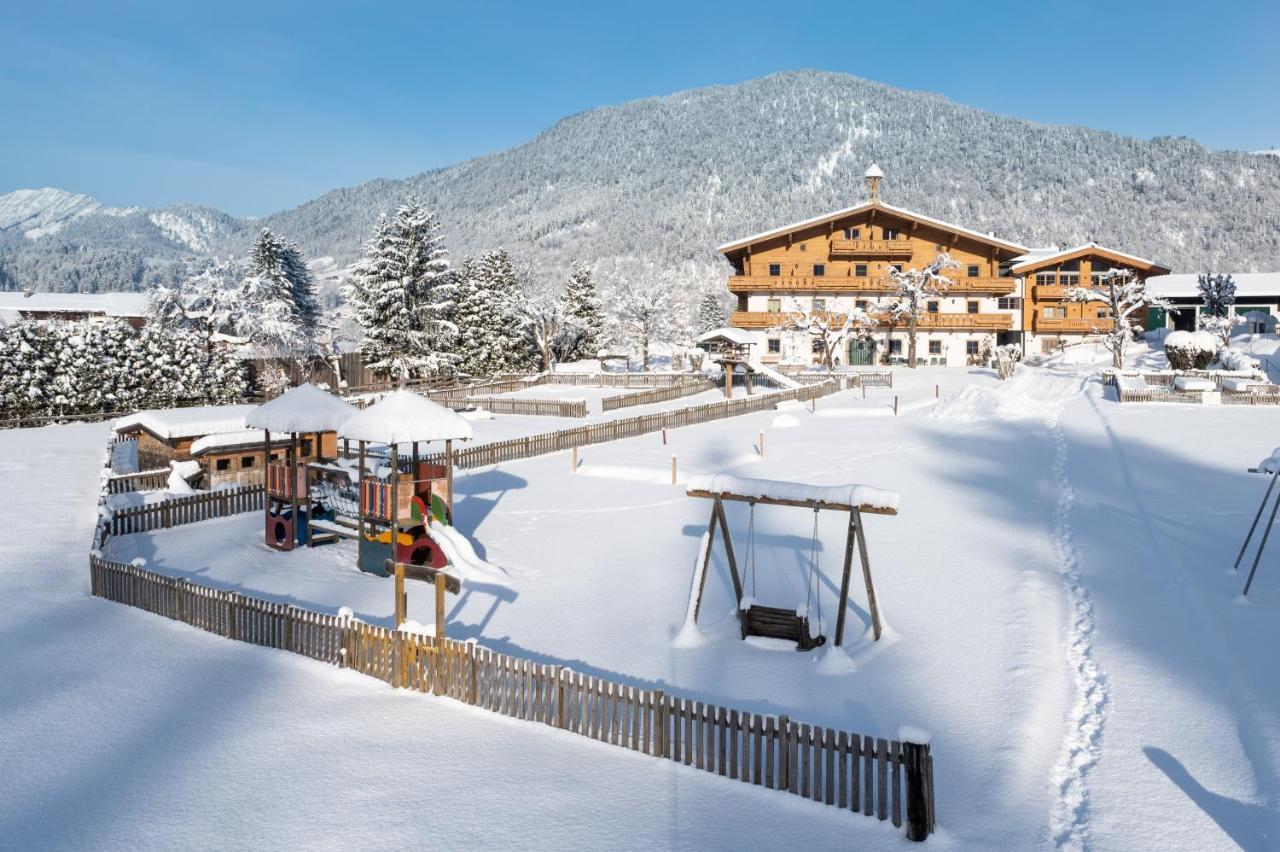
[1217, 294]
[582, 316]
[272, 319]
[711, 312]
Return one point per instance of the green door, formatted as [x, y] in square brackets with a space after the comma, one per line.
[862, 353]
[1156, 318]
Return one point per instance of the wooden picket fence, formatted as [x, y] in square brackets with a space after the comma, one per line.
[614, 430]
[143, 480]
[618, 380]
[887, 779]
[689, 387]
[532, 407]
[185, 510]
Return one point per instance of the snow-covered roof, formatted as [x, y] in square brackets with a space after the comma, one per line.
[109, 304]
[1035, 253]
[864, 206]
[848, 495]
[1182, 284]
[402, 417]
[736, 336]
[170, 423]
[243, 438]
[305, 408]
[1036, 260]
[874, 171]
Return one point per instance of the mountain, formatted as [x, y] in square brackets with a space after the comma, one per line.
[667, 179]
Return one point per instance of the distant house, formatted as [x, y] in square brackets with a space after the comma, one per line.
[167, 434]
[1257, 293]
[68, 307]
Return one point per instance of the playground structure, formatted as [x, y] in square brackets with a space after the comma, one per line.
[1271, 465]
[731, 349]
[779, 622]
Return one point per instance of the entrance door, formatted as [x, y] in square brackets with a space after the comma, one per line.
[862, 353]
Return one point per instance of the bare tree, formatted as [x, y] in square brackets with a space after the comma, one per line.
[915, 286]
[1125, 295]
[647, 312]
[832, 331]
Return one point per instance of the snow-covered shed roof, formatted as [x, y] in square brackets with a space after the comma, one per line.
[305, 408]
[863, 496]
[874, 171]
[736, 336]
[171, 423]
[107, 304]
[910, 215]
[1184, 284]
[402, 417]
[228, 440]
[1034, 260]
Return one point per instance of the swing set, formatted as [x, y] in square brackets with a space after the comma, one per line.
[779, 622]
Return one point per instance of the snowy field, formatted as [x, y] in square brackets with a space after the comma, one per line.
[1059, 607]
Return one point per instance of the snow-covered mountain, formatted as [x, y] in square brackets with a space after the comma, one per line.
[36, 213]
[669, 178]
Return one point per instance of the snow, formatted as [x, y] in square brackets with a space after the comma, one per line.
[1235, 384]
[1201, 341]
[1185, 285]
[402, 417]
[1036, 260]
[172, 423]
[853, 495]
[736, 336]
[1193, 383]
[873, 171]
[1132, 383]
[305, 408]
[244, 437]
[785, 421]
[1060, 594]
[107, 304]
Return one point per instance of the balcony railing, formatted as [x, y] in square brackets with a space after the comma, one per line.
[944, 321]
[1071, 324]
[872, 248]
[848, 284]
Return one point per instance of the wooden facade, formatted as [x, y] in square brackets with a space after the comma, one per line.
[843, 260]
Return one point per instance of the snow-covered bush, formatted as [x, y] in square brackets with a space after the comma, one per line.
[1219, 327]
[1006, 359]
[1190, 350]
[1237, 361]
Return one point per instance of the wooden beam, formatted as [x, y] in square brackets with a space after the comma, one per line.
[448, 474]
[426, 574]
[360, 495]
[402, 599]
[718, 508]
[706, 563]
[441, 584]
[844, 580]
[777, 501]
[866, 575]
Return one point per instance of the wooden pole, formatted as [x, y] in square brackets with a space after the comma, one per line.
[935, 391]
[728, 380]
[1261, 506]
[673, 468]
[1262, 545]
[574, 469]
[866, 574]
[266, 483]
[295, 446]
[395, 499]
[915, 757]
[664, 436]
[706, 563]
[440, 580]
[895, 405]
[761, 443]
[448, 473]
[718, 508]
[402, 599]
[844, 580]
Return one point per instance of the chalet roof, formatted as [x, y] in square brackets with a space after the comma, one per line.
[247, 438]
[402, 417]
[196, 421]
[107, 304]
[305, 408]
[1034, 260]
[900, 212]
[1185, 284]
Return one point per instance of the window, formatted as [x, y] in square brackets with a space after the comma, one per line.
[275, 456]
[852, 233]
[860, 270]
[1055, 313]
[817, 346]
[306, 446]
[775, 306]
[1007, 303]
[1069, 279]
[890, 233]
[896, 267]
[860, 303]
[935, 347]
[1044, 279]
[932, 307]
[819, 304]
[972, 271]
[223, 464]
[819, 270]
[1103, 313]
[895, 347]
[972, 307]
[971, 347]
[775, 346]
[775, 269]
[246, 461]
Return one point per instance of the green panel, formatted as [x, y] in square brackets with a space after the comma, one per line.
[1156, 318]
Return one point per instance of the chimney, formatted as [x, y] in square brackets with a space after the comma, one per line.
[873, 176]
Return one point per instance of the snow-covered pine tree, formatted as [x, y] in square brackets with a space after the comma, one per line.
[711, 310]
[293, 265]
[271, 318]
[207, 302]
[470, 305]
[492, 329]
[584, 323]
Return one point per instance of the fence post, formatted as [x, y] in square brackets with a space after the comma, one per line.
[919, 820]
[560, 720]
[659, 723]
[472, 676]
[784, 754]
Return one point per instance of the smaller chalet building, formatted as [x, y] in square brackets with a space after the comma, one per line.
[1257, 301]
[68, 307]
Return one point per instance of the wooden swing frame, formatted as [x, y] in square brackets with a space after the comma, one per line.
[857, 537]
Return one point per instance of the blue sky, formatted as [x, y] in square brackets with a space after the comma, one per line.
[258, 107]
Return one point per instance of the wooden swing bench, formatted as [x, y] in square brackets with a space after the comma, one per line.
[779, 622]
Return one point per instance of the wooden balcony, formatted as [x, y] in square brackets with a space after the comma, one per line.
[1070, 325]
[880, 285]
[938, 321]
[872, 248]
